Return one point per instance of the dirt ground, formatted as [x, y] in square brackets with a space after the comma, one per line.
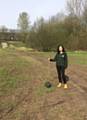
[34, 102]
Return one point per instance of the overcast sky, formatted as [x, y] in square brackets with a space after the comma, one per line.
[10, 9]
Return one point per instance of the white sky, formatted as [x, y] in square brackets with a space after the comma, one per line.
[10, 9]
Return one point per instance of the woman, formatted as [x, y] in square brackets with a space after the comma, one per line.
[61, 64]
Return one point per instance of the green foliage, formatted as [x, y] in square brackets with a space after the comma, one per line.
[23, 26]
[46, 35]
[23, 22]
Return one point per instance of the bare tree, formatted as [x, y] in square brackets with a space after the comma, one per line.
[85, 12]
[75, 7]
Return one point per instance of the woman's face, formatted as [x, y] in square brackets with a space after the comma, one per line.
[60, 48]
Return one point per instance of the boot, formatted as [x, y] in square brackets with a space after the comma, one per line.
[65, 86]
[59, 85]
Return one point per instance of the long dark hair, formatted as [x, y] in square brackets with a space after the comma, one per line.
[58, 49]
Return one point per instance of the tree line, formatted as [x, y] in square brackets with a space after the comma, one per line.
[69, 29]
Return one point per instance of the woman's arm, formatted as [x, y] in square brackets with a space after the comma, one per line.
[54, 59]
[66, 61]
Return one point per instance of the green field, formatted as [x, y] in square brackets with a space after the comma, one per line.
[22, 78]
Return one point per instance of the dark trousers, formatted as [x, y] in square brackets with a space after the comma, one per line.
[61, 74]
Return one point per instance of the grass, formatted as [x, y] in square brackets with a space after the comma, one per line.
[12, 68]
[10, 61]
[17, 70]
[17, 43]
[79, 58]
[42, 90]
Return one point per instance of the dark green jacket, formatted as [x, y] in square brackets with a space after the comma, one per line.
[61, 60]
